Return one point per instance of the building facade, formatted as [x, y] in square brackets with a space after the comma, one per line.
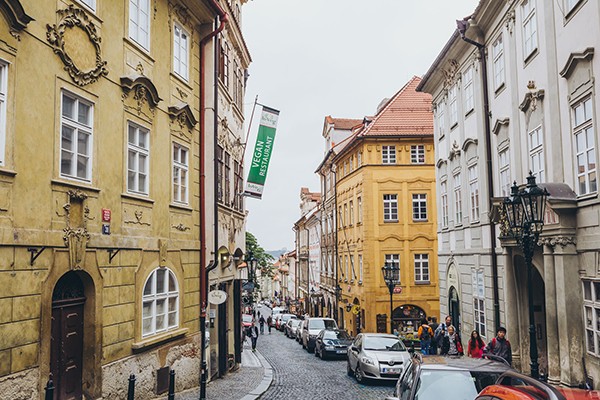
[100, 248]
[386, 213]
[543, 110]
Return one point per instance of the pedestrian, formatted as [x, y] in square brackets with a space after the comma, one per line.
[269, 323]
[261, 322]
[433, 325]
[441, 330]
[425, 334]
[253, 335]
[451, 344]
[475, 346]
[500, 346]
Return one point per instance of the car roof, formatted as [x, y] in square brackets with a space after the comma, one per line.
[463, 363]
[388, 335]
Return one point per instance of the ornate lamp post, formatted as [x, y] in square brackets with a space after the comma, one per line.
[391, 276]
[525, 213]
[251, 261]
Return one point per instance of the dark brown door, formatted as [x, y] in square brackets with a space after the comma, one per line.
[66, 356]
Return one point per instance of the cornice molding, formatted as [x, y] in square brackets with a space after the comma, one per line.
[182, 113]
[574, 59]
[15, 15]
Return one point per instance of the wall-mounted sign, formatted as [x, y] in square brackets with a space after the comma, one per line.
[217, 297]
[106, 229]
[106, 214]
[397, 289]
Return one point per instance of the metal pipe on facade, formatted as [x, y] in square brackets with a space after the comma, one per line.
[462, 26]
[222, 18]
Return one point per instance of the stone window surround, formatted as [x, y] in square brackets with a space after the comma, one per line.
[89, 129]
[135, 36]
[422, 270]
[139, 151]
[390, 207]
[3, 114]
[180, 68]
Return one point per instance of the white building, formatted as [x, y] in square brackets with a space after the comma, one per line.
[543, 108]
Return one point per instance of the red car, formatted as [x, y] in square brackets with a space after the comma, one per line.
[247, 320]
[514, 386]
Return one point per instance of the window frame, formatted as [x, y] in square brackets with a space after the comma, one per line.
[155, 296]
[498, 62]
[3, 111]
[529, 14]
[441, 122]
[444, 202]
[592, 303]
[474, 193]
[138, 150]
[77, 127]
[468, 90]
[177, 47]
[504, 171]
[91, 6]
[135, 35]
[457, 189]
[417, 154]
[453, 103]
[479, 302]
[537, 153]
[360, 269]
[359, 206]
[390, 207]
[586, 129]
[421, 264]
[351, 210]
[391, 259]
[220, 174]
[179, 165]
[388, 155]
[419, 207]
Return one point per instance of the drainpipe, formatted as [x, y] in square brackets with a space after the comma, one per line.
[222, 17]
[462, 26]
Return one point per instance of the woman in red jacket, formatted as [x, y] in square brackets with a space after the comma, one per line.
[475, 346]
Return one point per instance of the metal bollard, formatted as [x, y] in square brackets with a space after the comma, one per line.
[49, 389]
[131, 388]
[171, 385]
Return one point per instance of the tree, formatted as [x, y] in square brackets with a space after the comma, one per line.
[264, 259]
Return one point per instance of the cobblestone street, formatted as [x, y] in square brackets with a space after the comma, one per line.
[298, 374]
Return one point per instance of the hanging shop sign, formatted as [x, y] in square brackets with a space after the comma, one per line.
[217, 297]
[262, 153]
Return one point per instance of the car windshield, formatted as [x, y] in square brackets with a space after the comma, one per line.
[294, 322]
[456, 385]
[247, 318]
[383, 343]
[321, 324]
[286, 317]
[341, 335]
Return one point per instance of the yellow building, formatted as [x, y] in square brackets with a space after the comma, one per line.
[385, 195]
[102, 161]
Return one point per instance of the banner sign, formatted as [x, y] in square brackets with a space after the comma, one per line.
[262, 153]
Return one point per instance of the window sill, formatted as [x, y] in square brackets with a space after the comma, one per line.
[499, 89]
[422, 283]
[145, 344]
[454, 125]
[470, 112]
[571, 13]
[390, 221]
[7, 172]
[587, 196]
[183, 207]
[182, 80]
[132, 196]
[530, 57]
[420, 220]
[74, 184]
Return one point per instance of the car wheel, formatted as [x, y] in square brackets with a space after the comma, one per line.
[358, 374]
[323, 355]
[316, 353]
[349, 369]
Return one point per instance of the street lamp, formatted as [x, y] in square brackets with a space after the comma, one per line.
[338, 296]
[391, 276]
[525, 213]
[251, 261]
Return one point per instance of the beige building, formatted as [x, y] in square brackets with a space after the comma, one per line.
[103, 203]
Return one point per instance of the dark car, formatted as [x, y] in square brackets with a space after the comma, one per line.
[312, 328]
[426, 377]
[283, 320]
[332, 343]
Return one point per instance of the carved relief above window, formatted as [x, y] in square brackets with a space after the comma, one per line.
[145, 95]
[182, 114]
[77, 43]
[15, 15]
[451, 73]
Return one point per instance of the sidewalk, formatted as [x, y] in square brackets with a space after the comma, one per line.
[250, 381]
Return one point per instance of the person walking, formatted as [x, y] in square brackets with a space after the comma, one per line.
[500, 346]
[261, 322]
[475, 346]
[451, 343]
[425, 334]
[253, 335]
[269, 323]
[441, 331]
[433, 325]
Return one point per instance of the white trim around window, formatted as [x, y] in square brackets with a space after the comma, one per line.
[474, 192]
[419, 203]
[591, 315]
[478, 287]
[91, 4]
[529, 27]
[585, 147]
[417, 154]
[504, 166]
[181, 52]
[537, 163]
[388, 154]
[160, 302]
[390, 208]
[453, 103]
[421, 268]
[3, 117]
[457, 188]
[498, 62]
[394, 259]
[139, 22]
[138, 158]
[76, 137]
[468, 92]
[180, 173]
[444, 201]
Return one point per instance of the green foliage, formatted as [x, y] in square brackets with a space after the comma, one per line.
[264, 259]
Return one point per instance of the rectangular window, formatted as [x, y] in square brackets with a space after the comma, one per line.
[220, 174]
[239, 185]
[223, 67]
[498, 57]
[359, 204]
[585, 146]
[422, 268]
[457, 199]
[394, 260]
[419, 203]
[452, 95]
[390, 207]
[180, 173]
[346, 221]
[346, 269]
[352, 268]
[474, 192]
[351, 212]
[388, 154]
[529, 27]
[138, 153]
[3, 121]
[342, 219]
[504, 165]
[359, 158]
[76, 127]
[444, 199]
[591, 315]
[227, 183]
[90, 3]
[417, 154]
[441, 122]
[181, 52]
[360, 268]
[468, 89]
[536, 154]
[139, 22]
[351, 163]
[479, 302]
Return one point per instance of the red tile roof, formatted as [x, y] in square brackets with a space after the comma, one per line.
[407, 113]
[343, 123]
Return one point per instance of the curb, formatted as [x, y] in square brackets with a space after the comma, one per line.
[266, 381]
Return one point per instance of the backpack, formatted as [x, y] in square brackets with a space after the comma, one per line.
[425, 332]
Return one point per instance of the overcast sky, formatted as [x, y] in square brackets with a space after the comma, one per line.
[312, 58]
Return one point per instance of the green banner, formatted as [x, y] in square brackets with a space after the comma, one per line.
[262, 153]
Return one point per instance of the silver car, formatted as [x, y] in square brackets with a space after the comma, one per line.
[290, 328]
[377, 356]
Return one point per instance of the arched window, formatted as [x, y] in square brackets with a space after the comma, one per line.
[160, 310]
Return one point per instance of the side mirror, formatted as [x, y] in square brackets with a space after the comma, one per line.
[354, 348]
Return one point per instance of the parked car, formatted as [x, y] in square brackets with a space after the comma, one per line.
[247, 320]
[377, 356]
[278, 310]
[311, 329]
[299, 330]
[512, 385]
[283, 320]
[291, 327]
[425, 377]
[332, 343]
